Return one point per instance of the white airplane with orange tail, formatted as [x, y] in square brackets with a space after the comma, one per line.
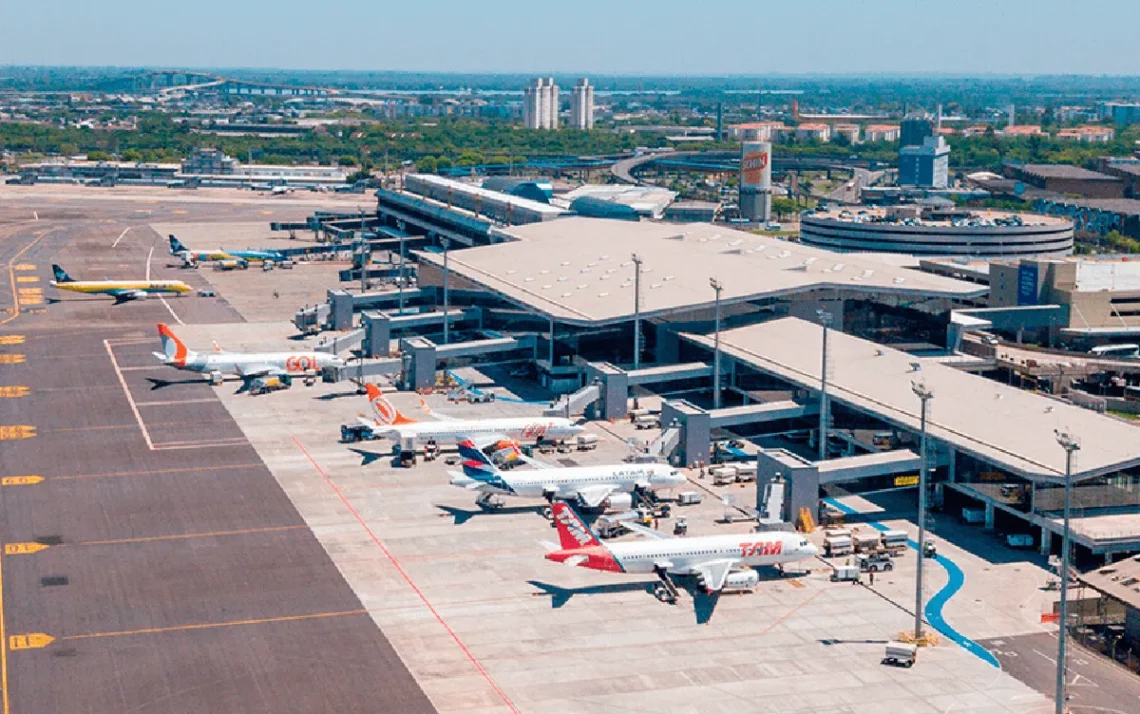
[718, 562]
[247, 365]
[389, 423]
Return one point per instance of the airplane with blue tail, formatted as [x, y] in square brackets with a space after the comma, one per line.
[243, 257]
[121, 290]
[591, 487]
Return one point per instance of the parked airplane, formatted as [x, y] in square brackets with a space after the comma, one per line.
[243, 257]
[718, 562]
[246, 365]
[588, 486]
[391, 424]
[121, 290]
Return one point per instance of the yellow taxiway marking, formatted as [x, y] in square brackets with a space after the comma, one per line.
[23, 548]
[14, 392]
[12, 339]
[13, 359]
[179, 212]
[16, 431]
[24, 266]
[27, 279]
[30, 641]
[214, 625]
[21, 480]
[185, 536]
[12, 277]
[155, 472]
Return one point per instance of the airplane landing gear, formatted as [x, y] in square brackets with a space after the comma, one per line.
[488, 501]
[665, 591]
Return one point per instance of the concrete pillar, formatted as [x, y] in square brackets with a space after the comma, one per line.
[952, 464]
[423, 358]
[340, 303]
[1046, 541]
[377, 334]
[989, 516]
[1108, 558]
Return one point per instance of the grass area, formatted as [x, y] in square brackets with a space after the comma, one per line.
[1125, 415]
[775, 234]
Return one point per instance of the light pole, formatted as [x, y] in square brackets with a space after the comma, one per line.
[637, 311]
[925, 395]
[824, 417]
[1071, 445]
[445, 243]
[717, 286]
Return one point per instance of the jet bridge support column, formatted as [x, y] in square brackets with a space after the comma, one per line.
[668, 346]
[341, 304]
[423, 361]
[696, 430]
[377, 334]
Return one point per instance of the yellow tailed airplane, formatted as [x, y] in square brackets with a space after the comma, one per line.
[121, 290]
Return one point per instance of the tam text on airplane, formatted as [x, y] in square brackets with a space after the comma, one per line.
[718, 562]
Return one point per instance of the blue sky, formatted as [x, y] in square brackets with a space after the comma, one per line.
[598, 36]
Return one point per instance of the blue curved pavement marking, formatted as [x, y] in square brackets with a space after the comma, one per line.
[956, 579]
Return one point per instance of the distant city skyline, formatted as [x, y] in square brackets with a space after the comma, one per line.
[662, 38]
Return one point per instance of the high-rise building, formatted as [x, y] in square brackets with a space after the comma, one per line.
[914, 131]
[582, 105]
[540, 104]
[926, 166]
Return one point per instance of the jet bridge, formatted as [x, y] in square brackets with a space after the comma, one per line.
[803, 477]
[575, 403]
[423, 356]
[697, 424]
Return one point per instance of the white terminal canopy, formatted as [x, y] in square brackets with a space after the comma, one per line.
[998, 424]
[578, 270]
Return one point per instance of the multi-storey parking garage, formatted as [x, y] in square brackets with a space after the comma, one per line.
[907, 229]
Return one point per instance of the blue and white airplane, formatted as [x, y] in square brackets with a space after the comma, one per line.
[243, 257]
[589, 486]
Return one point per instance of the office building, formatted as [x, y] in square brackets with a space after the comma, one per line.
[582, 105]
[540, 104]
[1120, 112]
[925, 166]
[914, 131]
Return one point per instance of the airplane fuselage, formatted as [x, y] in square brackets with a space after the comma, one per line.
[117, 287]
[683, 556]
[451, 432]
[567, 483]
[239, 363]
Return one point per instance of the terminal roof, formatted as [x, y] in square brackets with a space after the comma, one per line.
[580, 270]
[998, 424]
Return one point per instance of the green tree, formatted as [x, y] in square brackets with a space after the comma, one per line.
[98, 156]
[427, 165]
[132, 155]
[783, 207]
[347, 160]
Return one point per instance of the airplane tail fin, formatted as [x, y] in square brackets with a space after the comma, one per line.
[573, 533]
[176, 246]
[61, 275]
[476, 464]
[172, 347]
[386, 413]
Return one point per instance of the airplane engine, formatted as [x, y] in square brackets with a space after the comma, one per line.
[742, 580]
[619, 502]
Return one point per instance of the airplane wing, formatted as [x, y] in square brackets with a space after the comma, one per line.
[124, 295]
[535, 462]
[593, 496]
[251, 371]
[483, 441]
[647, 532]
[713, 573]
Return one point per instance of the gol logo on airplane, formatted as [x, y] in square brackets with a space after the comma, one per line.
[300, 363]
